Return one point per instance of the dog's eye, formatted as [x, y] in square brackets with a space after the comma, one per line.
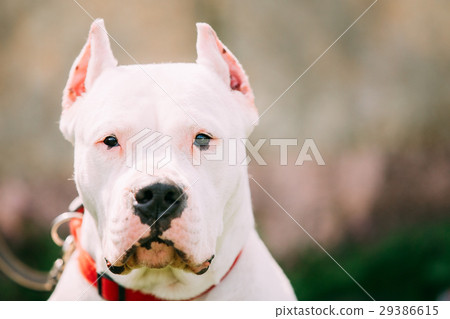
[111, 141]
[202, 141]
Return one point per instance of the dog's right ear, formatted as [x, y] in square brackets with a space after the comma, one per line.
[95, 57]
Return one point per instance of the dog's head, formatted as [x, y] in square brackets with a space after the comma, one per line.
[142, 134]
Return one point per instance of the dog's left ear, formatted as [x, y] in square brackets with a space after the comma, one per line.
[94, 58]
[214, 54]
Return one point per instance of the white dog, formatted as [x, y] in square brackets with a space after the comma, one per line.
[186, 231]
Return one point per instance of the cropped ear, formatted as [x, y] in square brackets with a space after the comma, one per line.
[94, 58]
[214, 54]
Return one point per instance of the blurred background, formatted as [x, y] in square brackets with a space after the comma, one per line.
[377, 105]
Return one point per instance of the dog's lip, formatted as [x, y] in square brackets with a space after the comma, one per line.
[146, 242]
[117, 268]
[203, 267]
[128, 262]
[124, 264]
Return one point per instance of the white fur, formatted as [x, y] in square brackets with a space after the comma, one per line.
[218, 219]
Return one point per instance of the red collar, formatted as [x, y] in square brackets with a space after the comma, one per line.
[107, 288]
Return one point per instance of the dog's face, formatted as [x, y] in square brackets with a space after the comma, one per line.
[174, 215]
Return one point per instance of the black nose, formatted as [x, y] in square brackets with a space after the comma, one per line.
[158, 200]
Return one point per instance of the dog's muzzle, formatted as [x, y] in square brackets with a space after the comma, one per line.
[158, 205]
[159, 201]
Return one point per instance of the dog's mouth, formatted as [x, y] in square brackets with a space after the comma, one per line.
[156, 253]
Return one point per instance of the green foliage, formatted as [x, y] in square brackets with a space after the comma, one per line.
[408, 264]
[38, 251]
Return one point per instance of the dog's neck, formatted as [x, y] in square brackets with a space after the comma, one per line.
[174, 283]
